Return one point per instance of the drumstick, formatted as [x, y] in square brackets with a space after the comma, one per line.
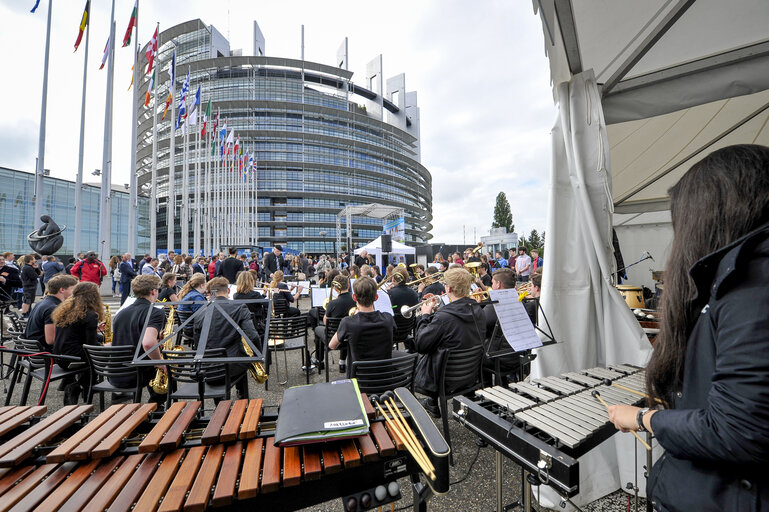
[408, 430]
[597, 395]
[396, 429]
[629, 390]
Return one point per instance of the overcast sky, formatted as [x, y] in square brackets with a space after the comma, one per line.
[479, 69]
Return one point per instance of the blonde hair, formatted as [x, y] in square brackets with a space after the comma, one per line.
[195, 281]
[459, 280]
[245, 282]
[277, 278]
[218, 285]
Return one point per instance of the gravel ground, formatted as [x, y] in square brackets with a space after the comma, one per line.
[473, 477]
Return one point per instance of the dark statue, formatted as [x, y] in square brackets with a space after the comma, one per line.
[48, 238]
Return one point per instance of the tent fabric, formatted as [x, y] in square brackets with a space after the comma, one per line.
[375, 248]
[586, 313]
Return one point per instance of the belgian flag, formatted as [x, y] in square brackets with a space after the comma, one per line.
[83, 23]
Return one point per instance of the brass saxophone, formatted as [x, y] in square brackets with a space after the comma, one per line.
[159, 383]
[107, 326]
[256, 371]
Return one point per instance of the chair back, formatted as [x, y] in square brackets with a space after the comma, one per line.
[332, 325]
[288, 328]
[35, 362]
[404, 328]
[385, 374]
[279, 305]
[111, 361]
[461, 371]
[187, 330]
[187, 372]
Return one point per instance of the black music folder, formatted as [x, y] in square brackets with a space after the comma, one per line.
[321, 412]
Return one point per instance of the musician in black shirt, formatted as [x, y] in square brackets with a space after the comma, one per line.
[246, 290]
[284, 294]
[431, 285]
[337, 308]
[231, 266]
[40, 326]
[127, 330]
[400, 294]
[168, 288]
[502, 279]
[368, 333]
[484, 278]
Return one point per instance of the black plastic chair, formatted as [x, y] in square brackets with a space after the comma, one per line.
[461, 374]
[375, 377]
[331, 326]
[111, 361]
[287, 334]
[198, 380]
[404, 332]
[37, 367]
[187, 331]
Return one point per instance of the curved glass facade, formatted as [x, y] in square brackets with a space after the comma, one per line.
[317, 146]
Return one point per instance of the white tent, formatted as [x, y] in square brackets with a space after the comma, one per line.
[644, 89]
[375, 247]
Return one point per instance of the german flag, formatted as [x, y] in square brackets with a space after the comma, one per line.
[83, 23]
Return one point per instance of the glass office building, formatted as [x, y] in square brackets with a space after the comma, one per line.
[320, 140]
[17, 208]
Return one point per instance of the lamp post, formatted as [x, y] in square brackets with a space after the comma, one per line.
[323, 234]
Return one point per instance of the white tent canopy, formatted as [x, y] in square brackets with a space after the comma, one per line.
[375, 247]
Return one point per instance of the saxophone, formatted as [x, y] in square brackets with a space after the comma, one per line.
[107, 326]
[159, 383]
[256, 371]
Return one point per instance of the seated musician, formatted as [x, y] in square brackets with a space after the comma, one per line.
[368, 333]
[531, 302]
[193, 290]
[284, 293]
[77, 320]
[431, 285]
[502, 279]
[245, 289]
[222, 334]
[400, 294]
[40, 325]
[127, 331]
[168, 288]
[484, 277]
[459, 324]
[337, 308]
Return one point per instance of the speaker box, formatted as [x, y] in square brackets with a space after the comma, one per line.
[387, 243]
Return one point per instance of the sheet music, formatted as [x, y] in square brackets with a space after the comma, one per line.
[318, 295]
[514, 321]
[305, 288]
[383, 304]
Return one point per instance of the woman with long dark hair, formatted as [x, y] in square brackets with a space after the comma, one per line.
[710, 366]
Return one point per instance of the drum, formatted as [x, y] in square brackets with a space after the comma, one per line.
[633, 295]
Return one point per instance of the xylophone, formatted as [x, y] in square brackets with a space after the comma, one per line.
[546, 424]
[124, 459]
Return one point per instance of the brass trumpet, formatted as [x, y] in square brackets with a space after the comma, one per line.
[437, 276]
[409, 311]
[395, 279]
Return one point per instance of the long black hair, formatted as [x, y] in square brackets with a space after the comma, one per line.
[721, 198]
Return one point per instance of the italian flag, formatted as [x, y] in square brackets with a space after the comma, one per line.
[131, 25]
[149, 90]
[205, 118]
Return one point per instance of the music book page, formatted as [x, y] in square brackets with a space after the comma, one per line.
[319, 295]
[514, 321]
[383, 304]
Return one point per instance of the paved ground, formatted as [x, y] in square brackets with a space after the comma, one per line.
[473, 477]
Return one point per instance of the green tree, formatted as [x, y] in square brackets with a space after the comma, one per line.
[535, 240]
[503, 217]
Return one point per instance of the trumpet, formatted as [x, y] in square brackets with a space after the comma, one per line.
[334, 286]
[437, 276]
[409, 311]
[395, 279]
[482, 294]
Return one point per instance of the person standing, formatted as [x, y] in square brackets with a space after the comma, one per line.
[114, 269]
[199, 267]
[29, 278]
[90, 269]
[10, 280]
[50, 268]
[710, 365]
[231, 266]
[273, 261]
[127, 274]
[151, 268]
[523, 265]
[536, 260]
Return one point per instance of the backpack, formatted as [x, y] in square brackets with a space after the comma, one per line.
[116, 273]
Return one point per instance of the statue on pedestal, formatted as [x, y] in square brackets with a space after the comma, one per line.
[48, 238]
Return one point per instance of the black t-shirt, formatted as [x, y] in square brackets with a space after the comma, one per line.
[127, 328]
[70, 339]
[402, 295]
[340, 307]
[434, 288]
[165, 294]
[257, 309]
[230, 268]
[41, 316]
[368, 335]
[498, 343]
[486, 280]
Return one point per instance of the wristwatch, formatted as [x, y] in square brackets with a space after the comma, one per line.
[639, 418]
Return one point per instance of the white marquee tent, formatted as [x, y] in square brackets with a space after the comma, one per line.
[375, 247]
[644, 89]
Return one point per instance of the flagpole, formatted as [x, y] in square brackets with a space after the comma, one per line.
[154, 184]
[132, 207]
[185, 221]
[196, 232]
[206, 196]
[105, 230]
[171, 203]
[79, 181]
[41, 139]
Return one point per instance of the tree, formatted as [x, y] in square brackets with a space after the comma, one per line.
[535, 240]
[503, 217]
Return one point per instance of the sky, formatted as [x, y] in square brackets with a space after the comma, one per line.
[479, 69]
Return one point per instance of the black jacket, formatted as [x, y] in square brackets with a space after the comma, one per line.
[272, 264]
[716, 435]
[459, 324]
[401, 295]
[12, 282]
[29, 276]
[222, 333]
[126, 272]
[230, 268]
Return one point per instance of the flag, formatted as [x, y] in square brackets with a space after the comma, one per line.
[83, 23]
[152, 50]
[149, 91]
[183, 100]
[131, 25]
[132, 77]
[237, 145]
[251, 162]
[230, 139]
[106, 54]
[35, 7]
[172, 69]
[206, 115]
[193, 120]
[168, 104]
